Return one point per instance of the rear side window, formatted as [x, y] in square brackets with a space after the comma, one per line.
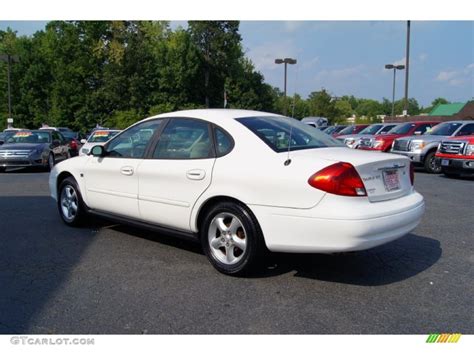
[224, 142]
[184, 139]
[275, 131]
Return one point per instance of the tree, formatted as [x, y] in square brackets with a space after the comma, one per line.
[219, 47]
[343, 110]
[321, 104]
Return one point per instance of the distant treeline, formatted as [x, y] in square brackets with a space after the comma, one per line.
[113, 73]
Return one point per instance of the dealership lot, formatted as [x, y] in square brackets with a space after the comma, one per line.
[109, 278]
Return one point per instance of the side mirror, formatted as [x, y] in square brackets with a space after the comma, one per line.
[97, 151]
[1, 142]
[83, 141]
[56, 143]
[418, 133]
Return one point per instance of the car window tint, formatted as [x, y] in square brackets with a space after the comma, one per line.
[132, 142]
[424, 128]
[275, 131]
[223, 142]
[466, 130]
[184, 139]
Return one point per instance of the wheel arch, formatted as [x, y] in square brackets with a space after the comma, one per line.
[212, 201]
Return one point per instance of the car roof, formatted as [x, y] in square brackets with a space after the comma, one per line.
[213, 114]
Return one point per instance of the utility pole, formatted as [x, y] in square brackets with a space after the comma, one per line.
[407, 68]
[9, 59]
[285, 61]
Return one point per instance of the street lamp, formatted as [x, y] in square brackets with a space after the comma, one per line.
[9, 59]
[285, 61]
[395, 68]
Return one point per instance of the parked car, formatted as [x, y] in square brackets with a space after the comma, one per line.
[422, 149]
[98, 137]
[383, 142]
[351, 129]
[455, 156]
[316, 122]
[332, 130]
[7, 133]
[353, 140]
[74, 139]
[241, 181]
[38, 148]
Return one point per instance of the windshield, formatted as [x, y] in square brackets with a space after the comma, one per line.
[372, 129]
[33, 137]
[275, 132]
[348, 130]
[403, 129]
[445, 129]
[101, 136]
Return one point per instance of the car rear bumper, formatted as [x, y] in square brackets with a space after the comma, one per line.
[456, 165]
[333, 227]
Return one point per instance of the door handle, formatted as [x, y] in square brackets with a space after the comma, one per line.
[196, 174]
[126, 170]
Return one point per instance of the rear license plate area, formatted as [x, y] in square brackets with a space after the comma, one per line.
[391, 180]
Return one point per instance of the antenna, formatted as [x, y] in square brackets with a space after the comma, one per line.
[288, 160]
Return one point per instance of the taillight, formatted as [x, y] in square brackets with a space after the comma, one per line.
[412, 174]
[339, 179]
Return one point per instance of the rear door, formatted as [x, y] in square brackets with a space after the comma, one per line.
[177, 171]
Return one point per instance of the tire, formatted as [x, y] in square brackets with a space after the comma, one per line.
[232, 239]
[51, 162]
[2, 169]
[430, 164]
[70, 204]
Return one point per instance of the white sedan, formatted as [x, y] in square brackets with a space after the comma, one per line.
[98, 137]
[242, 182]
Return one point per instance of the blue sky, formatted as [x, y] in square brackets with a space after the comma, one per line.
[348, 58]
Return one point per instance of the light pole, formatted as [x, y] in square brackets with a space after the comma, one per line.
[395, 68]
[285, 61]
[405, 106]
[9, 59]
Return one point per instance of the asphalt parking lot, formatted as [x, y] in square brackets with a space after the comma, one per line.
[114, 279]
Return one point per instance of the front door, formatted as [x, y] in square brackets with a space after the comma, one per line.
[112, 180]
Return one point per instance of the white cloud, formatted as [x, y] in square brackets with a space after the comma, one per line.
[422, 57]
[293, 26]
[447, 75]
[400, 61]
[457, 77]
[263, 56]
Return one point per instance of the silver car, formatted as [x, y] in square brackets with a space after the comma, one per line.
[422, 149]
[353, 140]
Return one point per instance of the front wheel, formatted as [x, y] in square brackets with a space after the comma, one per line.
[231, 238]
[51, 162]
[430, 164]
[70, 203]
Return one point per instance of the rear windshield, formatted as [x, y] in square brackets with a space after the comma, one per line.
[403, 129]
[101, 136]
[445, 129]
[372, 129]
[275, 132]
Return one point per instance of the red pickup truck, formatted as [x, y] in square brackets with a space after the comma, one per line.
[383, 142]
[456, 156]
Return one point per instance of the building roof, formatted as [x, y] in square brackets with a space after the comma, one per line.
[447, 109]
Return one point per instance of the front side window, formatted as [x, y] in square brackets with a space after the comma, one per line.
[387, 129]
[445, 129]
[184, 139]
[275, 131]
[348, 130]
[132, 142]
[403, 129]
[467, 130]
[424, 128]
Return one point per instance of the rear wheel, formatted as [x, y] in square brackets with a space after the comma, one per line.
[232, 239]
[430, 164]
[70, 203]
